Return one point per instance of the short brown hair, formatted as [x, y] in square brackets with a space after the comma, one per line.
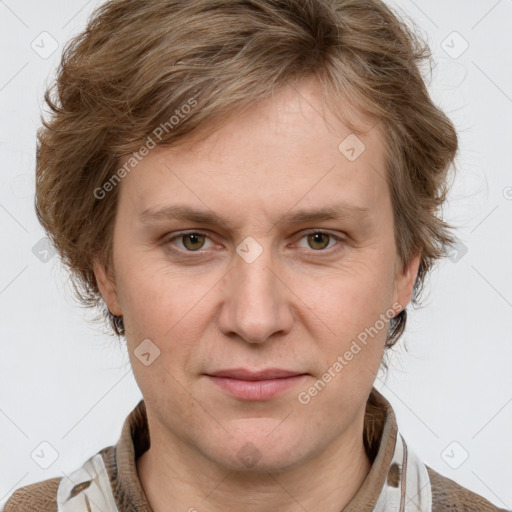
[138, 61]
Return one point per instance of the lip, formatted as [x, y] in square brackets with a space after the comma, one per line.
[246, 374]
[255, 385]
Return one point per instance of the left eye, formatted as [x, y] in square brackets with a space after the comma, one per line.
[319, 240]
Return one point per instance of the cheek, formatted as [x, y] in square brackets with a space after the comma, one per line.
[153, 298]
[352, 297]
[353, 306]
[353, 341]
[168, 308]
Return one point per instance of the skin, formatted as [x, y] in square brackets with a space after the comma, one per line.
[297, 306]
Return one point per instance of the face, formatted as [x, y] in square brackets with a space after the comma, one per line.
[258, 279]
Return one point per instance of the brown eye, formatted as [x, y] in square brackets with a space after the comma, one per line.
[193, 241]
[318, 241]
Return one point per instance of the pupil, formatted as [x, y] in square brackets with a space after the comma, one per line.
[317, 237]
[193, 238]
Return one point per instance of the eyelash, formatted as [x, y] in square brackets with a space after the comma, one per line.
[167, 241]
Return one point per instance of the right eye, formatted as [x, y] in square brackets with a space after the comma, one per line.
[191, 241]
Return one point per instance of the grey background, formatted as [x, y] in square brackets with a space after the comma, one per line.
[67, 385]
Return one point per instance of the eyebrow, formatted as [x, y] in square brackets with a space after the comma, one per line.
[183, 212]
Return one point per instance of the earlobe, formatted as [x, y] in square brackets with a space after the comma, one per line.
[405, 280]
[107, 287]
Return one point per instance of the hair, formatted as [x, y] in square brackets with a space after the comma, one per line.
[139, 62]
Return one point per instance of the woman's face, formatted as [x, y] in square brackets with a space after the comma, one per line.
[251, 284]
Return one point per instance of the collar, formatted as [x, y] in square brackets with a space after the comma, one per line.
[397, 481]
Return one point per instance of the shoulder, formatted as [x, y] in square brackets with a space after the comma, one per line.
[36, 497]
[90, 482]
[448, 495]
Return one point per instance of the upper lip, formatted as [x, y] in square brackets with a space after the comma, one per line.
[245, 374]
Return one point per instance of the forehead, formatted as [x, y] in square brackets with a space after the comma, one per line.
[288, 151]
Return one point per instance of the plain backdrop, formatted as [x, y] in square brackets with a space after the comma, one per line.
[66, 386]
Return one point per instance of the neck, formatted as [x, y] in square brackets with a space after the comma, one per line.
[177, 478]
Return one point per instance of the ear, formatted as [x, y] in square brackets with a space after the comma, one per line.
[107, 286]
[405, 279]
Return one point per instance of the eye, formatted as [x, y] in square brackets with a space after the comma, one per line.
[191, 241]
[319, 240]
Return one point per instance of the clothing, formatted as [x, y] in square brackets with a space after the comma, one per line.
[397, 481]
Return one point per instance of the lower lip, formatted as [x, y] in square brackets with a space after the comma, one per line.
[256, 389]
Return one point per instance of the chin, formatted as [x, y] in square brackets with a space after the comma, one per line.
[255, 446]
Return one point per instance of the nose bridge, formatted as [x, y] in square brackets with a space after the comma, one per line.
[255, 305]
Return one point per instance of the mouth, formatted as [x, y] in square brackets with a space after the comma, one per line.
[255, 385]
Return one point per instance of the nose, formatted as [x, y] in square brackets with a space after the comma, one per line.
[257, 303]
